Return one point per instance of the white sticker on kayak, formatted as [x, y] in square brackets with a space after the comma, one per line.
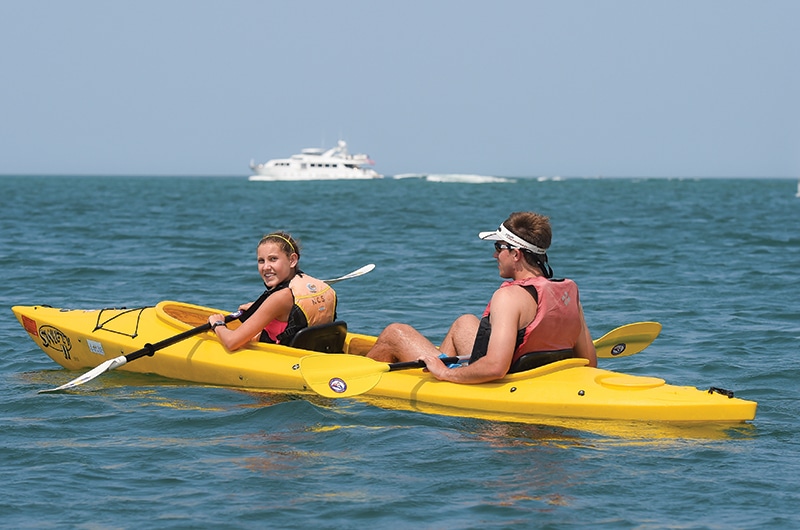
[95, 347]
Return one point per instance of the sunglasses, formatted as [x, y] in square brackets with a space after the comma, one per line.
[499, 247]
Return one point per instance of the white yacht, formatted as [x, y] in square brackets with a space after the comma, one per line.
[317, 164]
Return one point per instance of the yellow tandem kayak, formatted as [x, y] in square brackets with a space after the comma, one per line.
[85, 339]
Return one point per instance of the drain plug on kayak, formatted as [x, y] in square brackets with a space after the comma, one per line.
[581, 392]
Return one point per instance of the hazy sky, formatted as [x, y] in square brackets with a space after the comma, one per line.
[504, 88]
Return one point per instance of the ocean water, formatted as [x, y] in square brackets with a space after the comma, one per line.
[714, 260]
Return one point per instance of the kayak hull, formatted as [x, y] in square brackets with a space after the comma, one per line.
[570, 389]
[83, 339]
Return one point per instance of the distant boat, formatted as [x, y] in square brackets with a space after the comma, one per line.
[317, 164]
[798, 189]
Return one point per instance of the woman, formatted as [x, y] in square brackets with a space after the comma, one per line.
[293, 300]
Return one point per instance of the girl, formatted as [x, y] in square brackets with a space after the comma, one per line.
[293, 300]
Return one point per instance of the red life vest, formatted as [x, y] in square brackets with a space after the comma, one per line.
[555, 327]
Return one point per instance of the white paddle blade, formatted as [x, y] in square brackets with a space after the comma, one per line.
[355, 274]
[107, 366]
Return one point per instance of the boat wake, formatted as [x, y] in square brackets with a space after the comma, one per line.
[455, 177]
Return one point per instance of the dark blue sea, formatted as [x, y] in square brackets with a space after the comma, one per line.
[715, 261]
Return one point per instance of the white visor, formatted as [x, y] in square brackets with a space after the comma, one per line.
[504, 234]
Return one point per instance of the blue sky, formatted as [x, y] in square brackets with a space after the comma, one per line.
[504, 88]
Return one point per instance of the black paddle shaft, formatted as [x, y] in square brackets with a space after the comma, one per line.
[419, 364]
[150, 349]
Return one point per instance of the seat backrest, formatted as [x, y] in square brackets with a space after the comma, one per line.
[325, 338]
[532, 360]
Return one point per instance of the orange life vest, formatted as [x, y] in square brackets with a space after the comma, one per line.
[314, 304]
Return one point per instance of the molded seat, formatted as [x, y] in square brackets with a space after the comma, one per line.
[325, 338]
[532, 360]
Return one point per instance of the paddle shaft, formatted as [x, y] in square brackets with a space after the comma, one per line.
[150, 349]
[418, 364]
[343, 375]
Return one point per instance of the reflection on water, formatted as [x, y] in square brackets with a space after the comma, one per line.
[629, 431]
